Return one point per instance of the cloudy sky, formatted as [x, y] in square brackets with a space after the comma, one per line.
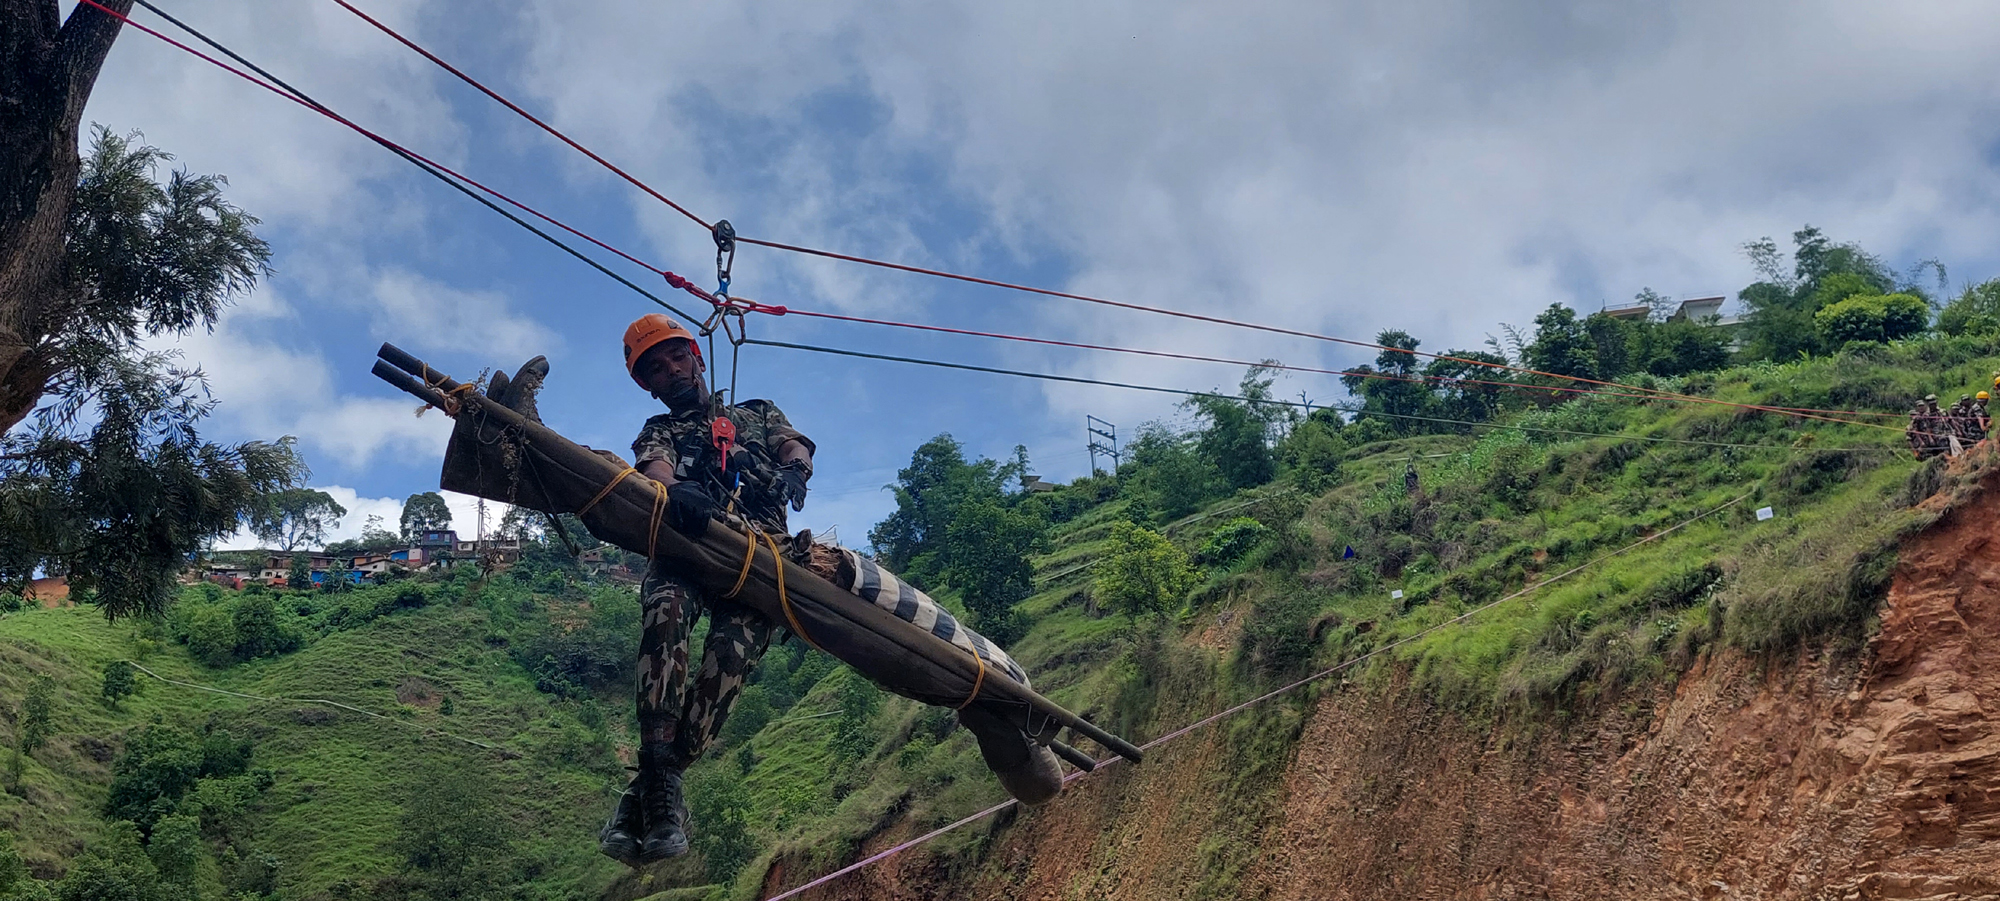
[1439, 166]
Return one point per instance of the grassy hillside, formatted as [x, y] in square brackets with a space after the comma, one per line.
[817, 762]
[340, 781]
[1497, 510]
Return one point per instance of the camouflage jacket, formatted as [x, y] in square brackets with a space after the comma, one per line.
[683, 441]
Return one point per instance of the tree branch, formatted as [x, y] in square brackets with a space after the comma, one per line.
[86, 40]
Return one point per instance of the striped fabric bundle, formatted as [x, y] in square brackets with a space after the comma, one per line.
[880, 587]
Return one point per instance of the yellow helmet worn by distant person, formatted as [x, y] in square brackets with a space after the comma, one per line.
[648, 331]
[1983, 396]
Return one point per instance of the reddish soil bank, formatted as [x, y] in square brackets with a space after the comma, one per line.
[1870, 776]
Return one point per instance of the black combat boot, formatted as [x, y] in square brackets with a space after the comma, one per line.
[661, 805]
[619, 839]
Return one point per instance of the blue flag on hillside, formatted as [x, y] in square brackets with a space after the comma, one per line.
[1349, 554]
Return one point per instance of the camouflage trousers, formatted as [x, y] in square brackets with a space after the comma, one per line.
[678, 719]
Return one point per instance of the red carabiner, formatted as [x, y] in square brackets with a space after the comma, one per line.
[722, 434]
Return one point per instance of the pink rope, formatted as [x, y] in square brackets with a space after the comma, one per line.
[892, 851]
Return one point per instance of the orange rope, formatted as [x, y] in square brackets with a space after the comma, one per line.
[659, 509]
[977, 681]
[606, 492]
[784, 600]
[749, 554]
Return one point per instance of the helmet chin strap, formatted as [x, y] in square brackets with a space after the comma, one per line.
[685, 400]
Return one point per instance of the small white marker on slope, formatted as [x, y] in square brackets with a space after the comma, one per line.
[1764, 513]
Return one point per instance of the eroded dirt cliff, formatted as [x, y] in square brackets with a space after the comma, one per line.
[1869, 775]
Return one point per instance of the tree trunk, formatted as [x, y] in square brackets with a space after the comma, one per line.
[47, 68]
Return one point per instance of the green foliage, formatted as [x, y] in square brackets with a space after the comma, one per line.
[1782, 308]
[1311, 454]
[176, 850]
[1871, 317]
[929, 492]
[373, 538]
[1676, 348]
[221, 631]
[163, 762]
[453, 844]
[423, 512]
[1236, 436]
[13, 871]
[1143, 572]
[1167, 475]
[719, 803]
[1562, 344]
[1279, 635]
[121, 506]
[1975, 311]
[1391, 387]
[860, 700]
[573, 641]
[112, 867]
[986, 559]
[118, 681]
[1231, 541]
[296, 518]
[37, 715]
[11, 602]
[110, 483]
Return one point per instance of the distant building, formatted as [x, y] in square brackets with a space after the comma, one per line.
[1708, 311]
[1035, 485]
[1629, 312]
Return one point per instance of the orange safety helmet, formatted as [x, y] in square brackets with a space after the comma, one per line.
[647, 331]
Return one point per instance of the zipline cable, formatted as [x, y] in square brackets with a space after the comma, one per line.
[1184, 730]
[455, 178]
[1184, 392]
[937, 273]
[450, 176]
[412, 158]
[673, 279]
[1272, 364]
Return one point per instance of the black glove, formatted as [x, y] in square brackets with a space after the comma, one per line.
[793, 476]
[689, 508]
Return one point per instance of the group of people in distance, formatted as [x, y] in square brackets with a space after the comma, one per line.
[1934, 431]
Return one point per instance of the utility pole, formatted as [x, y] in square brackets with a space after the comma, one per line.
[1109, 433]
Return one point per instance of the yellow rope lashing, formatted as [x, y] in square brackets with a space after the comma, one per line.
[607, 490]
[749, 554]
[784, 600]
[978, 680]
[659, 511]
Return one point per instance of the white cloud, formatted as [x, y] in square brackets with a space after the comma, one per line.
[1436, 166]
[433, 315]
[267, 389]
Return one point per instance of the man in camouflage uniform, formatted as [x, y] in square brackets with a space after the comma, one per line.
[745, 458]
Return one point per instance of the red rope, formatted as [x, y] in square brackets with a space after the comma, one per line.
[751, 306]
[973, 279]
[671, 278]
[448, 67]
